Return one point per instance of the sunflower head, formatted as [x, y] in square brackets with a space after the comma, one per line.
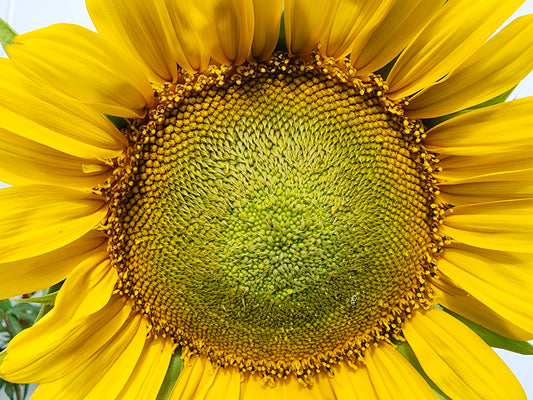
[289, 197]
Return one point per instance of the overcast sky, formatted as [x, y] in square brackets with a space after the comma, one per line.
[26, 15]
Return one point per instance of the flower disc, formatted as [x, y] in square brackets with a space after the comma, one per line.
[278, 217]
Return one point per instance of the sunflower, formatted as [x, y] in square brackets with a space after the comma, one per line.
[252, 199]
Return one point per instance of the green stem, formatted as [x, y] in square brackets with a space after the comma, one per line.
[9, 330]
[18, 391]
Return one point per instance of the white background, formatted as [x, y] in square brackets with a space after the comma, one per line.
[26, 15]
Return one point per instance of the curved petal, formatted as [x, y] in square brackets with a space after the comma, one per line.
[82, 321]
[254, 387]
[464, 304]
[200, 380]
[106, 373]
[459, 29]
[196, 374]
[185, 44]
[23, 161]
[150, 370]
[137, 26]
[29, 111]
[393, 377]
[403, 21]
[500, 225]
[35, 273]
[483, 192]
[224, 383]
[498, 66]
[350, 21]
[80, 64]
[506, 167]
[37, 219]
[227, 28]
[504, 127]
[500, 280]
[267, 21]
[460, 363]
[351, 384]
[303, 24]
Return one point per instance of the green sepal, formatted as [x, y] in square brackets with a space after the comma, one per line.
[282, 43]
[173, 371]
[120, 123]
[49, 298]
[2, 355]
[7, 34]
[46, 308]
[407, 352]
[493, 339]
[431, 122]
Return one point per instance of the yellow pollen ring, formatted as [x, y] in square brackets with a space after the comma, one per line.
[278, 217]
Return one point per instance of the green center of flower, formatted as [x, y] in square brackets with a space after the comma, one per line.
[277, 217]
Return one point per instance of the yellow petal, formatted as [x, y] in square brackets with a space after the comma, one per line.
[303, 24]
[71, 59]
[500, 225]
[267, 20]
[464, 304]
[84, 319]
[199, 380]
[501, 128]
[28, 110]
[498, 66]
[500, 280]
[37, 219]
[23, 161]
[350, 384]
[150, 370]
[36, 273]
[105, 375]
[185, 44]
[507, 167]
[403, 21]
[254, 387]
[137, 26]
[484, 192]
[224, 383]
[458, 30]
[460, 363]
[195, 375]
[393, 377]
[227, 29]
[350, 21]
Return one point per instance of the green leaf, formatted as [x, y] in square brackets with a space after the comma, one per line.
[173, 371]
[431, 122]
[493, 339]
[5, 305]
[13, 323]
[407, 352]
[7, 34]
[24, 313]
[49, 298]
[9, 390]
